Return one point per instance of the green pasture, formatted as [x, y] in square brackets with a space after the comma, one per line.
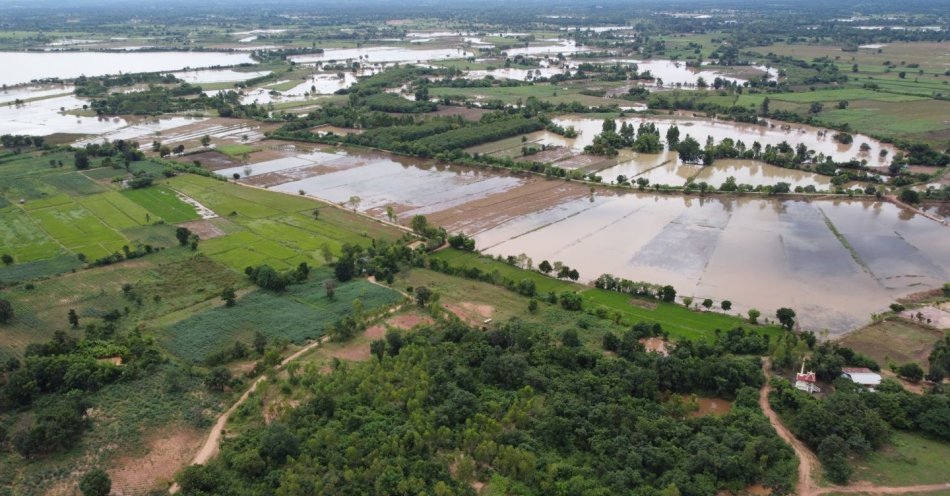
[303, 312]
[162, 202]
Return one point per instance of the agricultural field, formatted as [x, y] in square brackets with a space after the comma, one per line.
[896, 340]
[305, 313]
[908, 459]
[680, 322]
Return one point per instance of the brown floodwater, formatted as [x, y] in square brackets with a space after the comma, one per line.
[762, 253]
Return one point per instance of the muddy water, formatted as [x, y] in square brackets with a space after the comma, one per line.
[10, 95]
[382, 54]
[758, 173]
[759, 253]
[218, 76]
[43, 117]
[23, 67]
[699, 129]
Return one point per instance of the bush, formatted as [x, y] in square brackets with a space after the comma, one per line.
[911, 371]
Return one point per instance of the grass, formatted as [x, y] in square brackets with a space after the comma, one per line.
[77, 229]
[38, 269]
[680, 322]
[897, 340]
[236, 150]
[23, 239]
[170, 281]
[74, 183]
[910, 459]
[117, 210]
[163, 203]
[303, 312]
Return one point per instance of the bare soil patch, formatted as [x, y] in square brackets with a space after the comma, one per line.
[586, 162]
[655, 345]
[472, 313]
[167, 453]
[485, 213]
[408, 320]
[552, 154]
[712, 406]
[205, 228]
[339, 131]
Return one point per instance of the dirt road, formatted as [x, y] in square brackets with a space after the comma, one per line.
[808, 463]
[212, 443]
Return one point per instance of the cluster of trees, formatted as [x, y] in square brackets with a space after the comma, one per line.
[464, 405]
[644, 139]
[558, 269]
[388, 102]
[642, 289]
[17, 141]
[61, 372]
[266, 277]
[939, 359]
[98, 86]
[381, 260]
[854, 421]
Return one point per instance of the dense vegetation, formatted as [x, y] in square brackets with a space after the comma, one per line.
[448, 406]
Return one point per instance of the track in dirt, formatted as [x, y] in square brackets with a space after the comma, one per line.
[808, 462]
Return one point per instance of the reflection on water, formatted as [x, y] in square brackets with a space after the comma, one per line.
[381, 54]
[757, 252]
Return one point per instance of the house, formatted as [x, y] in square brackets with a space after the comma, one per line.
[806, 381]
[862, 376]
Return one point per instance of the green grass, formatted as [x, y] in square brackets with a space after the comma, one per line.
[162, 202]
[679, 321]
[117, 210]
[22, 238]
[843, 94]
[303, 312]
[74, 183]
[237, 150]
[909, 459]
[40, 268]
[77, 229]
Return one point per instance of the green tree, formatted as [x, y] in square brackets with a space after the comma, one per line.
[726, 305]
[689, 150]
[786, 316]
[423, 295]
[533, 306]
[218, 379]
[279, 443]
[73, 318]
[707, 303]
[6, 311]
[7, 259]
[911, 371]
[183, 234]
[95, 483]
[228, 296]
[668, 294]
[81, 159]
[910, 196]
[260, 342]
[754, 316]
[569, 338]
[378, 348]
[545, 267]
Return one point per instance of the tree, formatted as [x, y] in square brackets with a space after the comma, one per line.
[687, 301]
[726, 305]
[330, 287]
[7, 259]
[73, 318]
[911, 371]
[910, 196]
[545, 267]
[569, 339]
[183, 234]
[81, 159]
[279, 443]
[786, 316]
[205, 140]
[218, 379]
[689, 150]
[533, 306]
[260, 342]
[668, 294]
[394, 342]
[228, 296]
[6, 311]
[754, 316]
[423, 295]
[95, 483]
[574, 275]
[707, 303]
[378, 348]
[672, 137]
[833, 455]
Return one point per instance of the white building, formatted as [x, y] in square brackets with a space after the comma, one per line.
[862, 376]
[806, 381]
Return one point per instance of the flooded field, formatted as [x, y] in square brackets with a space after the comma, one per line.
[45, 116]
[382, 54]
[758, 253]
[23, 67]
[218, 76]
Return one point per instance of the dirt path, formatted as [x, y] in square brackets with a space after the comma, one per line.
[807, 461]
[867, 488]
[212, 443]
